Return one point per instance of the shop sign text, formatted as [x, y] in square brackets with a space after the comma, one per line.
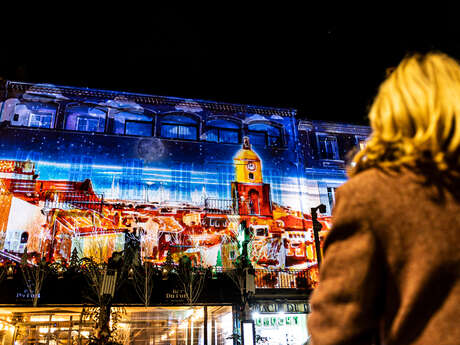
[281, 308]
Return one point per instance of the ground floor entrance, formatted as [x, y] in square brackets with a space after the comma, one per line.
[281, 322]
[276, 323]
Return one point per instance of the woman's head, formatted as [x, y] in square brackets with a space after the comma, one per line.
[415, 117]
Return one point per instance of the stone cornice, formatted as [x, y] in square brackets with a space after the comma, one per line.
[149, 99]
[334, 127]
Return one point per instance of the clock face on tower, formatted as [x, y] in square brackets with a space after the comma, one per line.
[251, 166]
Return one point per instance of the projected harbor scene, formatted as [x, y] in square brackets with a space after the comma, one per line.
[54, 217]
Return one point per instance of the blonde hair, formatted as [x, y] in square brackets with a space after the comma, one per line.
[415, 117]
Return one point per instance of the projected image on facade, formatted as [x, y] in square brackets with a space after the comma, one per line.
[54, 217]
[178, 186]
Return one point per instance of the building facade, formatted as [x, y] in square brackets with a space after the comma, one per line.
[326, 148]
[84, 172]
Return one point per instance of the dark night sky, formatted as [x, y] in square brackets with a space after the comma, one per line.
[327, 66]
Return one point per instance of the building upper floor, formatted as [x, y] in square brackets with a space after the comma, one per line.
[317, 144]
[329, 145]
[42, 106]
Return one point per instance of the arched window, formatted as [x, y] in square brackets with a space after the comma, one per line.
[223, 131]
[254, 202]
[85, 119]
[24, 237]
[261, 134]
[38, 115]
[131, 124]
[178, 127]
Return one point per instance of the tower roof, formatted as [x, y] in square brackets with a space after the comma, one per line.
[246, 152]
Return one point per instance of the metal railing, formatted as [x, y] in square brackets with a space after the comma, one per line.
[69, 200]
[282, 279]
[285, 279]
[228, 206]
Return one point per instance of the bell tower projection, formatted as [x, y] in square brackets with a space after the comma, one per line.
[249, 193]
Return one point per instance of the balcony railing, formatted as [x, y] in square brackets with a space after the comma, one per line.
[283, 279]
[228, 206]
[70, 200]
[225, 206]
[286, 279]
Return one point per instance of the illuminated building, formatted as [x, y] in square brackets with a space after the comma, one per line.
[87, 171]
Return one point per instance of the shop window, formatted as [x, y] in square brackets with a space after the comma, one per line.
[126, 123]
[179, 127]
[328, 148]
[85, 119]
[283, 328]
[160, 325]
[261, 134]
[222, 131]
[35, 115]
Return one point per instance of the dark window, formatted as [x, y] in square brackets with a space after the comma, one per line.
[141, 128]
[222, 131]
[261, 232]
[179, 127]
[264, 135]
[24, 237]
[257, 138]
[131, 124]
[85, 119]
[328, 148]
[347, 145]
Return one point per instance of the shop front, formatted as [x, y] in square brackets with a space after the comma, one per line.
[134, 325]
[281, 323]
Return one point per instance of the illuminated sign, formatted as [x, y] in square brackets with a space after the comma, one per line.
[276, 321]
[301, 307]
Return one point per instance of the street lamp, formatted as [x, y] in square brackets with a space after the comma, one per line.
[249, 289]
[316, 229]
